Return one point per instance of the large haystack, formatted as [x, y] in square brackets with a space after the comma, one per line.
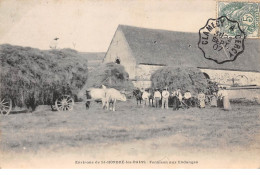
[31, 76]
[185, 78]
[111, 75]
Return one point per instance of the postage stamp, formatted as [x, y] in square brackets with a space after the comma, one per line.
[216, 43]
[245, 13]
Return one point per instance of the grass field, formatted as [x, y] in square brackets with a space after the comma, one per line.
[132, 132]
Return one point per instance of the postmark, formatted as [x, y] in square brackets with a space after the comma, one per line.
[215, 42]
[246, 13]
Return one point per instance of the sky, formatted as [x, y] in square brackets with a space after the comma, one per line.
[89, 25]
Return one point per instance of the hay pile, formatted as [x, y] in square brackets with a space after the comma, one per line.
[31, 76]
[111, 75]
[185, 78]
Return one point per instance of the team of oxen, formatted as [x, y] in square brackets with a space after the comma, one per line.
[107, 96]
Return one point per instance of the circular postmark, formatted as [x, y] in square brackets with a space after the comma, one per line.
[216, 43]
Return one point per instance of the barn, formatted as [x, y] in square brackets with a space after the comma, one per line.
[142, 51]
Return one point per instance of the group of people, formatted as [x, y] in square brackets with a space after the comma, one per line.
[186, 100]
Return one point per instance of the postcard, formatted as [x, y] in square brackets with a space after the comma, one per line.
[142, 84]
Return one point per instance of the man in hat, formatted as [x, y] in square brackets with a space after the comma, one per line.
[187, 98]
[145, 97]
[177, 98]
[165, 97]
[157, 97]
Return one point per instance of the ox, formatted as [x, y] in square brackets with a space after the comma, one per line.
[97, 95]
[111, 96]
[106, 95]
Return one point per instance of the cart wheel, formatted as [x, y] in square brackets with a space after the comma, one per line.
[64, 103]
[5, 106]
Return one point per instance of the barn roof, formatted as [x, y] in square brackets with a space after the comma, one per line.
[162, 47]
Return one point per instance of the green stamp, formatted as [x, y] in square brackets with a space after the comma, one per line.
[245, 13]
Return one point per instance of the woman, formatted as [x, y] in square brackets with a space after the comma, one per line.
[213, 101]
[225, 98]
[201, 98]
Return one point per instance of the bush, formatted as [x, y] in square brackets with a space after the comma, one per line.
[185, 78]
[32, 77]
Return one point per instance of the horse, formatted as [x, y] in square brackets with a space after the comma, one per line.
[138, 95]
[111, 96]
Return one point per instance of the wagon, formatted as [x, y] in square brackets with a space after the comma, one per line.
[5, 105]
[62, 101]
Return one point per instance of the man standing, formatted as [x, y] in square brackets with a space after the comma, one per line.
[157, 97]
[177, 98]
[145, 98]
[187, 98]
[165, 98]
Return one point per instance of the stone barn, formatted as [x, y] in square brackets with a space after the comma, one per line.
[142, 51]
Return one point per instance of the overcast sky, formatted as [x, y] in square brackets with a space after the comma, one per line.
[89, 25]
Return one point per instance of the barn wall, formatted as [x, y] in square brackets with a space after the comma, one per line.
[144, 72]
[119, 48]
[143, 75]
[241, 78]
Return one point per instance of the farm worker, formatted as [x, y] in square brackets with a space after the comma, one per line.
[165, 98]
[213, 100]
[145, 97]
[157, 97]
[224, 96]
[177, 96]
[201, 98]
[220, 97]
[187, 98]
[151, 97]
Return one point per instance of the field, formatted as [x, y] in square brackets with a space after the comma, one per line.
[204, 138]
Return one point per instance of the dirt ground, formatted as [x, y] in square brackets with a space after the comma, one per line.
[132, 137]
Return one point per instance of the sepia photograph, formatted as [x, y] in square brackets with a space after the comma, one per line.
[129, 84]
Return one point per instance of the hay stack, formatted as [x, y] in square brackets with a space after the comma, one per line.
[30, 76]
[185, 78]
[111, 75]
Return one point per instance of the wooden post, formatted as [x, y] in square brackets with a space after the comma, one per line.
[233, 80]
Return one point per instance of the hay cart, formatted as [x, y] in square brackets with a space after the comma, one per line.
[62, 99]
[5, 105]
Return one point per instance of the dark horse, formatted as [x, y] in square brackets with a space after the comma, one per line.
[138, 95]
